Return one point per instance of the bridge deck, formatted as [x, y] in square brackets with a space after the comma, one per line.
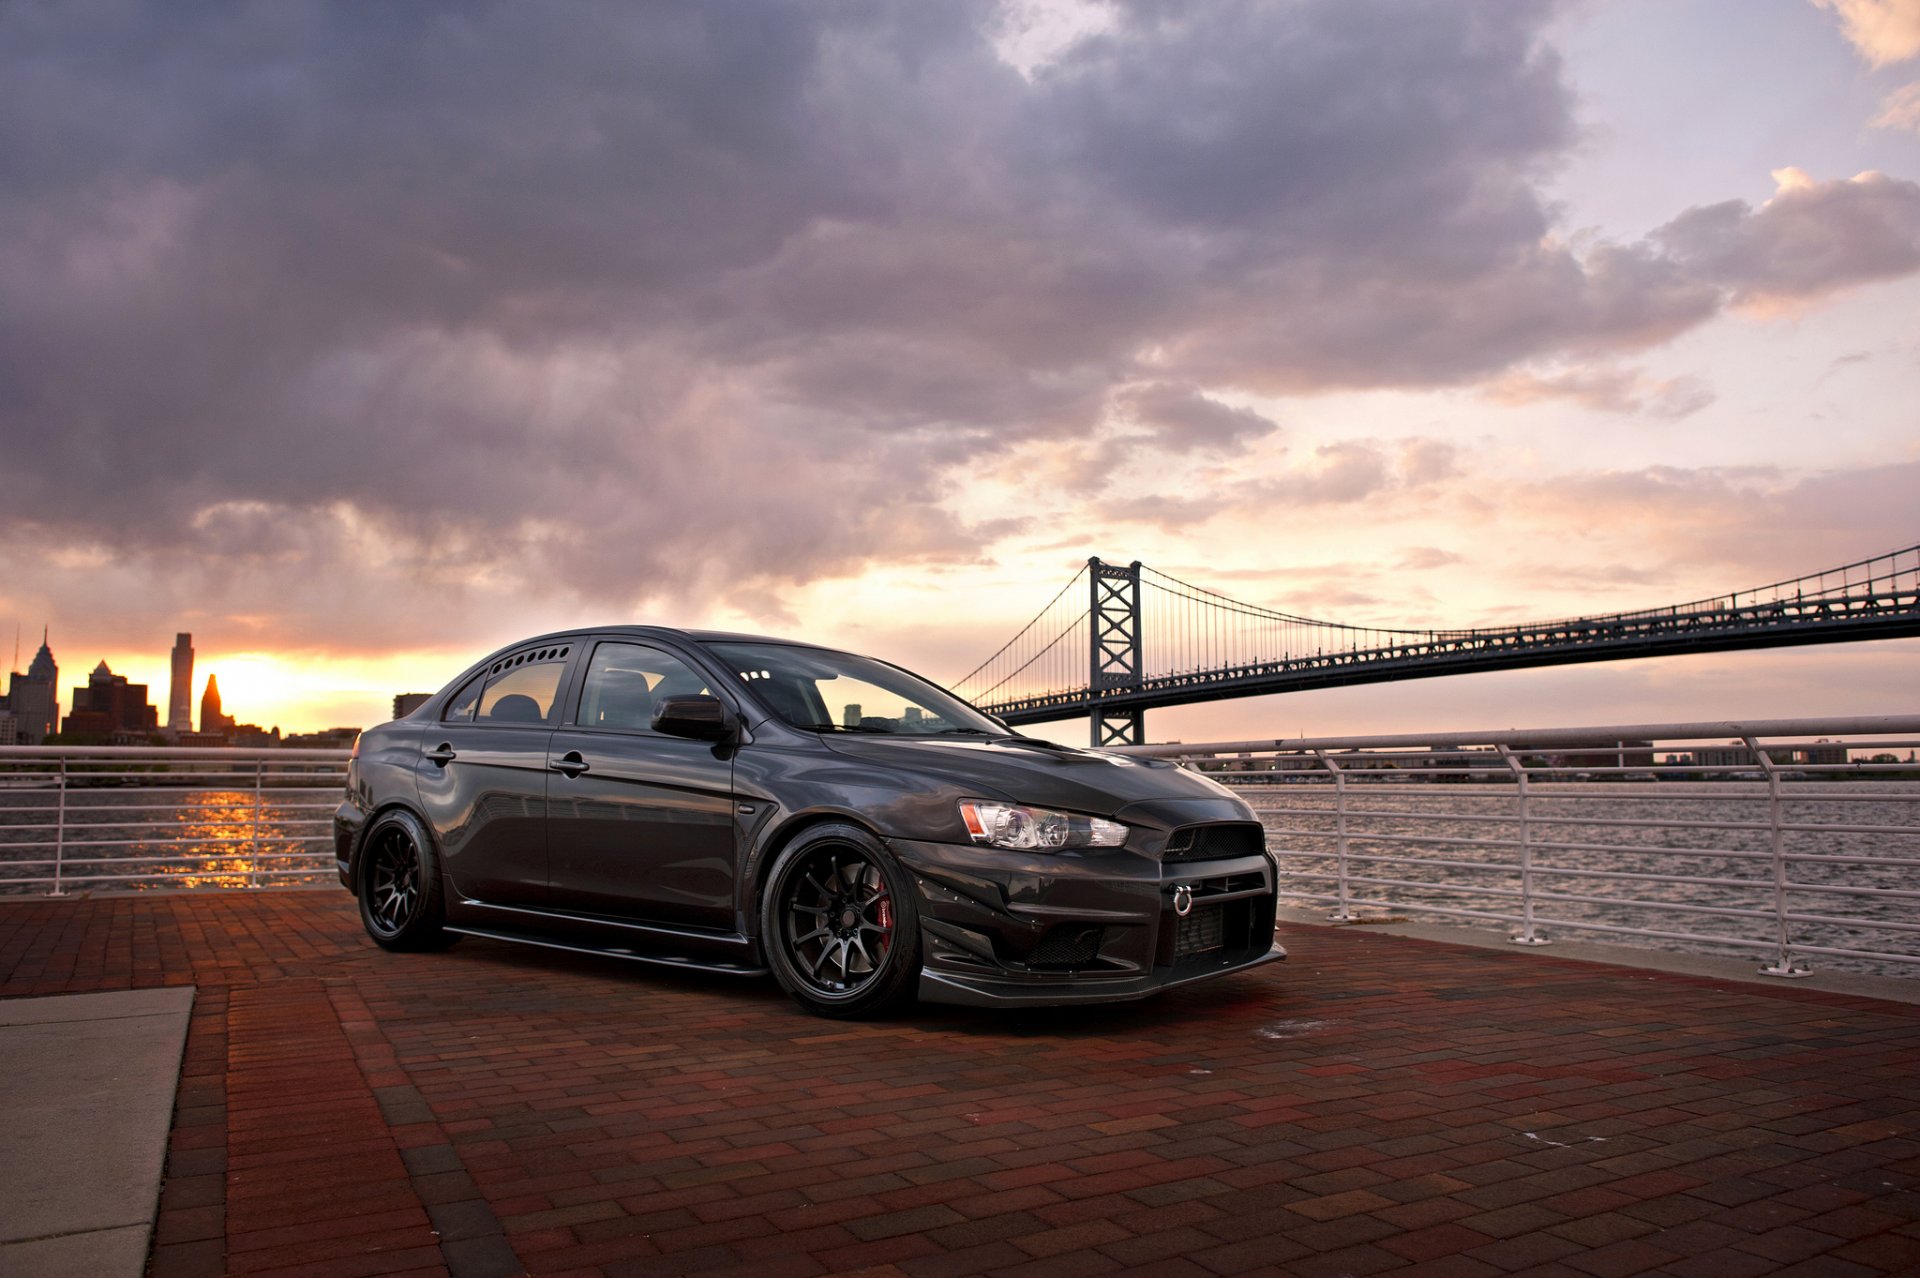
[1377, 1104]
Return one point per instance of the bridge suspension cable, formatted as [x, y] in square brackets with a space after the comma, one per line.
[1141, 637]
[1194, 628]
[1043, 657]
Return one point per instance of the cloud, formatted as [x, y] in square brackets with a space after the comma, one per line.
[1422, 558]
[1607, 390]
[1757, 521]
[1031, 34]
[1812, 238]
[1884, 31]
[1350, 473]
[1428, 461]
[1901, 110]
[1181, 418]
[646, 308]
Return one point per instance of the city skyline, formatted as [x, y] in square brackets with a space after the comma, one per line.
[868, 329]
[111, 706]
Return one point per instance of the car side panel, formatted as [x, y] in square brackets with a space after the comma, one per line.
[487, 809]
[646, 832]
[381, 775]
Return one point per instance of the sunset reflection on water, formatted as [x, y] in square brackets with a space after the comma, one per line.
[231, 826]
[124, 833]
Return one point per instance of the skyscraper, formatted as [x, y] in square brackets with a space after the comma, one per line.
[211, 720]
[109, 704]
[35, 697]
[180, 690]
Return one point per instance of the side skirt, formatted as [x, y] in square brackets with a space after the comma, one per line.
[683, 963]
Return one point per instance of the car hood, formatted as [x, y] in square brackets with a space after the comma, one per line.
[1089, 781]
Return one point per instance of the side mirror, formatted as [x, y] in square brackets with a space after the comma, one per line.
[702, 718]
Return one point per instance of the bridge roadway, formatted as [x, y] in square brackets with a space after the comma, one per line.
[1378, 1104]
[1858, 615]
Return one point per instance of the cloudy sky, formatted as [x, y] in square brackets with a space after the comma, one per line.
[358, 340]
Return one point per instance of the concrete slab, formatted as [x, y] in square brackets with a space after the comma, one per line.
[90, 1081]
[1893, 989]
[98, 1253]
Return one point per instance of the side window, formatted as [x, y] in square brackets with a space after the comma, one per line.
[626, 680]
[522, 688]
[460, 706]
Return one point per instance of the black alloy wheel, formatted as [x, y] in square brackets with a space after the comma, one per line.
[401, 904]
[839, 924]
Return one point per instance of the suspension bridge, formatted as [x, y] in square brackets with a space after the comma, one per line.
[1120, 640]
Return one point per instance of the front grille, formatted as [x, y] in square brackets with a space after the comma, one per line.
[1066, 947]
[1216, 842]
[1199, 932]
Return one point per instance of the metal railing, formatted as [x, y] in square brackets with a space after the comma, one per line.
[1783, 837]
[132, 817]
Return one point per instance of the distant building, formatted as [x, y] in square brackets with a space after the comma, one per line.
[330, 739]
[108, 705]
[211, 720]
[1622, 754]
[201, 739]
[407, 702]
[34, 697]
[180, 689]
[1735, 755]
[9, 728]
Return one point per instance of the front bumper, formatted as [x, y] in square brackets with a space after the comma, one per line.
[1002, 929]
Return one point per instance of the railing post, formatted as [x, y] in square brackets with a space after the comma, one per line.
[1343, 914]
[1783, 965]
[1521, 783]
[253, 831]
[60, 833]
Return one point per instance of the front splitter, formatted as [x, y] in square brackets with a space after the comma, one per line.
[971, 991]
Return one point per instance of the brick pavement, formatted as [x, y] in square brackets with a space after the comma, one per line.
[1378, 1104]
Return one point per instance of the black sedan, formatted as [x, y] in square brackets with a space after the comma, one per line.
[739, 804]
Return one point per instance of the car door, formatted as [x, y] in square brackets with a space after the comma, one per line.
[483, 777]
[640, 825]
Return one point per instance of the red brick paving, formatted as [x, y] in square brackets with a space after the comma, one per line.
[1376, 1105]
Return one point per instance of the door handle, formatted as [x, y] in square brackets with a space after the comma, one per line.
[570, 763]
[443, 753]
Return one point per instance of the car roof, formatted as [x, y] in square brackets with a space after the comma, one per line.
[639, 631]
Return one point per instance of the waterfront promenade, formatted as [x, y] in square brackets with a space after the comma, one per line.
[1377, 1104]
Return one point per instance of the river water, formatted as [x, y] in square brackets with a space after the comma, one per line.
[1868, 834]
[115, 838]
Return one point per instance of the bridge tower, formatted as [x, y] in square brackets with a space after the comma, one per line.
[1114, 658]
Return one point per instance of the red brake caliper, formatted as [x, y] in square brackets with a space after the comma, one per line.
[883, 915]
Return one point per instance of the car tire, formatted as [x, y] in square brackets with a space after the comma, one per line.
[402, 900]
[839, 926]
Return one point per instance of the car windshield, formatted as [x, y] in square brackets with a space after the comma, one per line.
[823, 691]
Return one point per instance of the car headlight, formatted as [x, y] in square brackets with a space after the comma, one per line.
[1015, 825]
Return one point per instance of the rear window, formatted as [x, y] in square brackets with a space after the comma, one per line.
[460, 705]
[523, 688]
